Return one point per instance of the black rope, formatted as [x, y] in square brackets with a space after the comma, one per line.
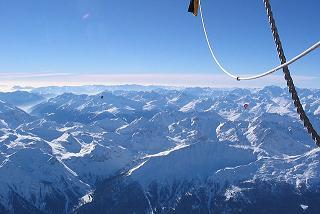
[302, 114]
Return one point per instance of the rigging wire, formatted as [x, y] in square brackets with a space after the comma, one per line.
[284, 66]
[296, 58]
[287, 76]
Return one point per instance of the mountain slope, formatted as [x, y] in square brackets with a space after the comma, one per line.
[193, 150]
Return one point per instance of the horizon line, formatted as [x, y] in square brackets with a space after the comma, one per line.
[37, 80]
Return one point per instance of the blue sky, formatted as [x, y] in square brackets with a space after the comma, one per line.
[76, 38]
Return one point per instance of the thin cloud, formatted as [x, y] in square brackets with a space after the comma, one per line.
[86, 16]
[182, 80]
[8, 76]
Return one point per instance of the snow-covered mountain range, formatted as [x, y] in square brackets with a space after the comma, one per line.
[157, 150]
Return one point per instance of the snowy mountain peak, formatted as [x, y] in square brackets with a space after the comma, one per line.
[126, 151]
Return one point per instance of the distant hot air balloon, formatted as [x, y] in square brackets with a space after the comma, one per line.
[246, 106]
[101, 97]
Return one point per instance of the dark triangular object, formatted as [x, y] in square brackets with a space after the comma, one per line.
[193, 7]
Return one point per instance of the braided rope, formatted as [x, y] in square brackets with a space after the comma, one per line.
[302, 114]
[301, 55]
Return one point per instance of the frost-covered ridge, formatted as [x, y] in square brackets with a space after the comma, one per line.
[156, 146]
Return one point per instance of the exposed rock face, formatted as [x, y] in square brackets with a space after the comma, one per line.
[196, 150]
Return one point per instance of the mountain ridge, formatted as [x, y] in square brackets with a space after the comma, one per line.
[165, 150]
